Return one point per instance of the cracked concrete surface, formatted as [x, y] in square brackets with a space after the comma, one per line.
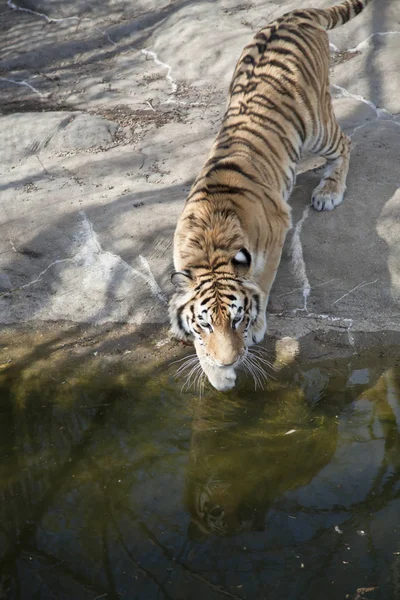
[107, 113]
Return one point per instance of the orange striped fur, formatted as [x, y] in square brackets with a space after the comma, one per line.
[229, 238]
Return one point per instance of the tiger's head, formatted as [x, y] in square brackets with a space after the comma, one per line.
[218, 307]
[217, 508]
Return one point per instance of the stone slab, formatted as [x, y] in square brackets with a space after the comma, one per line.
[108, 113]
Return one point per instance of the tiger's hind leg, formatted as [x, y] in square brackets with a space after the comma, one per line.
[336, 149]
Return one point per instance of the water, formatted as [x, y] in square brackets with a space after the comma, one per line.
[118, 486]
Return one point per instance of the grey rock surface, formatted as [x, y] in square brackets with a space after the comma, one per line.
[108, 111]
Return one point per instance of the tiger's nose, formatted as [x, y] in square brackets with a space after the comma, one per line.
[225, 364]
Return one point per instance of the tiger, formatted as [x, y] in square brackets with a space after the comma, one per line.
[229, 237]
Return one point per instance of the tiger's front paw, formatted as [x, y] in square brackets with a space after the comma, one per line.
[257, 331]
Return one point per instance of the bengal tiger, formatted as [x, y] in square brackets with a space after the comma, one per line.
[229, 237]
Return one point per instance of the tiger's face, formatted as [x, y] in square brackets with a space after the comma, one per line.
[220, 312]
[216, 508]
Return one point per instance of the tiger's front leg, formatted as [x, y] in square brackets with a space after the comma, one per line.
[258, 327]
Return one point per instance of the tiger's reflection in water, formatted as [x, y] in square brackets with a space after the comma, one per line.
[244, 455]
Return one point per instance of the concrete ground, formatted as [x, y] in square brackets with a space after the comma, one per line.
[107, 113]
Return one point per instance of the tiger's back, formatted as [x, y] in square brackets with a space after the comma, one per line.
[229, 238]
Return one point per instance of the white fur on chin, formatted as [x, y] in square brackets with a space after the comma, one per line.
[221, 378]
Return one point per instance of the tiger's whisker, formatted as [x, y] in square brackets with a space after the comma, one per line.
[185, 368]
[257, 367]
[199, 382]
[258, 357]
[259, 353]
[255, 357]
[253, 373]
[263, 349]
[181, 359]
[188, 364]
[188, 384]
[265, 376]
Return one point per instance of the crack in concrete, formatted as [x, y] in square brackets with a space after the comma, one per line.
[15, 7]
[23, 83]
[357, 287]
[298, 263]
[160, 63]
[174, 86]
[364, 43]
[342, 322]
[48, 19]
[301, 287]
[380, 113]
[100, 31]
[39, 277]
[349, 322]
[300, 271]
[393, 121]
[113, 42]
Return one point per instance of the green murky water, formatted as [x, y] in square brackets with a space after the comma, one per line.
[116, 487]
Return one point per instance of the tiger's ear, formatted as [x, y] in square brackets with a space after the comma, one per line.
[181, 280]
[242, 259]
